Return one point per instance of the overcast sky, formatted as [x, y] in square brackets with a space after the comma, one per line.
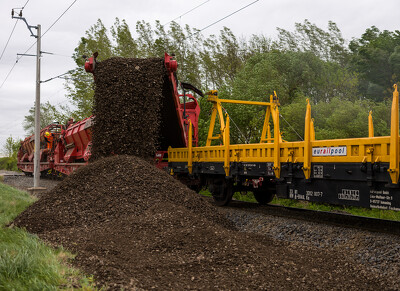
[18, 92]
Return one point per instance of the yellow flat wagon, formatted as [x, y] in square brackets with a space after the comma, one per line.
[355, 172]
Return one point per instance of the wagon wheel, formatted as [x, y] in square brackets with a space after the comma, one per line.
[263, 196]
[221, 191]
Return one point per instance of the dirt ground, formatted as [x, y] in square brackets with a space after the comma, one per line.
[134, 226]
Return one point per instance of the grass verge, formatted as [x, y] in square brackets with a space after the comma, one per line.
[26, 263]
[12, 202]
[374, 213]
[360, 211]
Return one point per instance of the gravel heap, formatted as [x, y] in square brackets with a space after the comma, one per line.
[126, 106]
[134, 108]
[134, 226]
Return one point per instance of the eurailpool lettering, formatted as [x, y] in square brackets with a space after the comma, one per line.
[329, 151]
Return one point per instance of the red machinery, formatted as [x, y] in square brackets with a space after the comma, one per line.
[69, 150]
[177, 113]
[71, 146]
[27, 149]
[191, 111]
[74, 151]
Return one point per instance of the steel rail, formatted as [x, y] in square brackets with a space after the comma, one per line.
[321, 217]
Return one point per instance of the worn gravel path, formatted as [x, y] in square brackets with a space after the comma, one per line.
[23, 182]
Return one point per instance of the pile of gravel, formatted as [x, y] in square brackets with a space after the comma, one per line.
[134, 108]
[126, 106]
[134, 226]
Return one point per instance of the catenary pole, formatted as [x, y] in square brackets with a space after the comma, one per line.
[36, 162]
[36, 158]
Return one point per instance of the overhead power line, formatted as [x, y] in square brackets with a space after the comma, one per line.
[219, 20]
[59, 76]
[25, 4]
[186, 12]
[54, 54]
[9, 73]
[12, 31]
[291, 127]
[8, 40]
[18, 58]
[62, 14]
[63, 76]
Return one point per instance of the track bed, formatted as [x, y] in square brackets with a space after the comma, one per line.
[263, 252]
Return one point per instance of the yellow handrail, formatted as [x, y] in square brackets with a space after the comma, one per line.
[370, 125]
[307, 143]
[394, 138]
[227, 150]
[190, 146]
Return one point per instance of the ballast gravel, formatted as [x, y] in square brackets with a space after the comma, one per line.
[378, 252]
[134, 108]
[134, 226]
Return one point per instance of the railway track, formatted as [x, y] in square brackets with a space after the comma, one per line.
[324, 217]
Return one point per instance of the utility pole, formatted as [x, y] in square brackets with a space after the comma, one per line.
[36, 161]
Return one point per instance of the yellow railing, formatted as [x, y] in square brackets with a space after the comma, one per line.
[358, 150]
[355, 150]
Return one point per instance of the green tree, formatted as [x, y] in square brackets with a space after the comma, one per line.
[309, 62]
[294, 76]
[376, 57]
[80, 86]
[222, 58]
[205, 63]
[184, 43]
[48, 114]
[125, 46]
[149, 43]
[10, 148]
[257, 44]
[307, 37]
[337, 119]
[346, 119]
